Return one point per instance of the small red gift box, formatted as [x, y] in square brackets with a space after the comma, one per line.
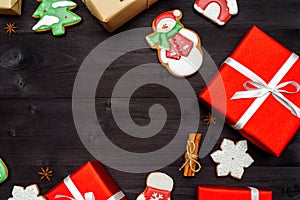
[89, 182]
[261, 97]
[232, 193]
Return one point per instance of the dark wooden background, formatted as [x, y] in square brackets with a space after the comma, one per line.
[36, 123]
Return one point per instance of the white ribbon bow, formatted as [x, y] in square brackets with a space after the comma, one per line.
[87, 196]
[75, 192]
[261, 90]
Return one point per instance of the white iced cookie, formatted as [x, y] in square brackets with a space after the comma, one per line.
[218, 11]
[29, 193]
[178, 47]
[159, 187]
[232, 158]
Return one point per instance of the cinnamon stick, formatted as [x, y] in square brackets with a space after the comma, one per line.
[191, 164]
[192, 138]
[197, 144]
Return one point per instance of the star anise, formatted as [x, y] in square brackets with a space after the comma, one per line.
[10, 28]
[209, 119]
[45, 174]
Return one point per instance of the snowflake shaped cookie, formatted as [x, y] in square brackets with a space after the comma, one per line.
[29, 193]
[232, 159]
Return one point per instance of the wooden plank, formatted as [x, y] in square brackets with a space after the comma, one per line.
[44, 126]
[56, 65]
[47, 77]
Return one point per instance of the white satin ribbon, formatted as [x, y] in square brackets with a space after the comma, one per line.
[118, 196]
[261, 90]
[254, 193]
[75, 192]
[87, 196]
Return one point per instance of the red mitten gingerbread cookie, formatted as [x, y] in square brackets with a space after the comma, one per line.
[178, 47]
[159, 187]
[218, 11]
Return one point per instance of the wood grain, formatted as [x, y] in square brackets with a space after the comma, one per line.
[37, 128]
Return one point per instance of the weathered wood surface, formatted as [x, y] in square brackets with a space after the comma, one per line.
[37, 128]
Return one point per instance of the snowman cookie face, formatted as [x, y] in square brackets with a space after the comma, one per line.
[165, 25]
[178, 48]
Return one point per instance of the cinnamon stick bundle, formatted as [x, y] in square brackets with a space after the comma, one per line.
[191, 165]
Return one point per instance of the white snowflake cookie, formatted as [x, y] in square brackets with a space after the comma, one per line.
[159, 187]
[29, 193]
[232, 159]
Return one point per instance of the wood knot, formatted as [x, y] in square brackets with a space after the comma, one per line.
[12, 59]
[292, 191]
[20, 83]
[33, 109]
[12, 133]
[92, 138]
[108, 105]
[19, 58]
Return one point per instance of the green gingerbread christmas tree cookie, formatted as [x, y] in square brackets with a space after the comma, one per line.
[3, 171]
[55, 15]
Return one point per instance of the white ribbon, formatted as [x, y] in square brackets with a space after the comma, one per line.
[119, 195]
[261, 90]
[87, 196]
[254, 193]
[75, 192]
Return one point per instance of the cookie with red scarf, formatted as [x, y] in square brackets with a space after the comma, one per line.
[178, 48]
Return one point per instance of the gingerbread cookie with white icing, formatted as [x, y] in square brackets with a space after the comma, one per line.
[159, 186]
[218, 11]
[178, 47]
[3, 171]
[55, 15]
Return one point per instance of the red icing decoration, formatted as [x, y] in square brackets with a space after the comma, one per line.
[150, 191]
[179, 46]
[224, 11]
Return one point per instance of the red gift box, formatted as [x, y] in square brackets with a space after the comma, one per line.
[232, 193]
[89, 182]
[261, 91]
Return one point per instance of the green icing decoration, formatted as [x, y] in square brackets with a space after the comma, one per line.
[162, 38]
[55, 15]
[3, 171]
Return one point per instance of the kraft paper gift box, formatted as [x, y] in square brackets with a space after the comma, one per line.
[89, 182]
[10, 7]
[232, 193]
[114, 13]
[261, 80]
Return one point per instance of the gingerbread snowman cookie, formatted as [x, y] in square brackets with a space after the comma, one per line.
[178, 47]
[218, 11]
[159, 187]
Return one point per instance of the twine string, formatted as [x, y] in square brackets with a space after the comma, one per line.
[191, 158]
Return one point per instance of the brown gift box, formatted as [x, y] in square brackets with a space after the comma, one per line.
[10, 7]
[114, 13]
